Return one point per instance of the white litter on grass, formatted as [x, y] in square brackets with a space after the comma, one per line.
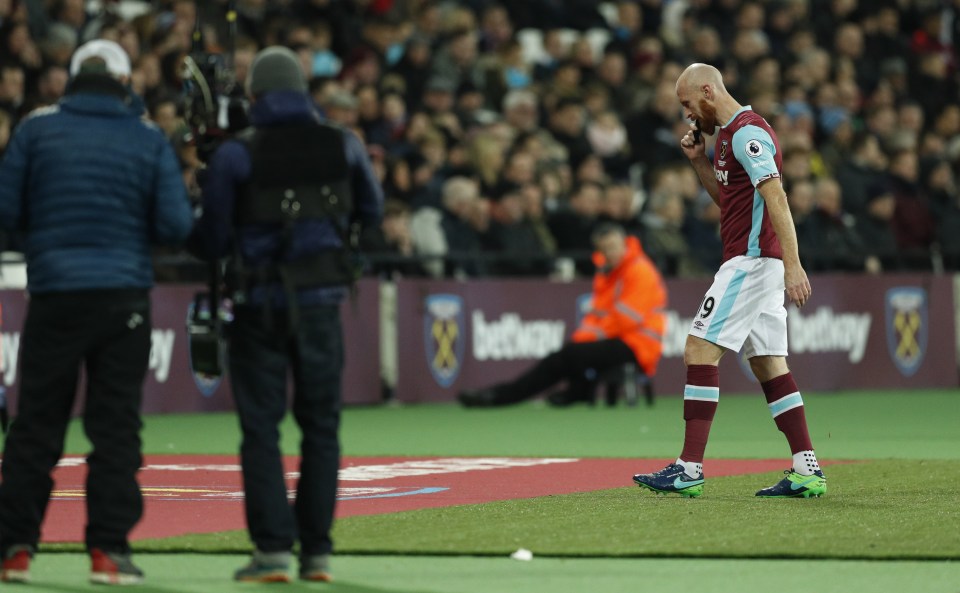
[522, 554]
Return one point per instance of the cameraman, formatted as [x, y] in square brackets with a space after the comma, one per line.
[91, 186]
[278, 200]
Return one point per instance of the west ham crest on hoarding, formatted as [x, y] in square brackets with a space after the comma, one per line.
[444, 332]
[907, 328]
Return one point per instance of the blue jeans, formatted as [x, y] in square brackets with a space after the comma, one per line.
[261, 352]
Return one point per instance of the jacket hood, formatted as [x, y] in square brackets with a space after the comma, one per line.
[278, 107]
[634, 250]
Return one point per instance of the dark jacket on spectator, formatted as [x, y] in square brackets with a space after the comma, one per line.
[572, 232]
[834, 244]
[854, 179]
[913, 222]
[464, 248]
[90, 226]
[522, 253]
[880, 241]
[386, 259]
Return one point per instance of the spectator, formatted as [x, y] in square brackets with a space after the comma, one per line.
[664, 238]
[414, 69]
[568, 125]
[341, 108]
[51, 86]
[554, 51]
[612, 75]
[860, 171]
[89, 228]
[913, 221]
[518, 247]
[390, 246]
[835, 243]
[619, 206]
[163, 112]
[573, 226]
[521, 111]
[446, 235]
[370, 120]
[520, 168]
[650, 132]
[12, 88]
[608, 139]
[702, 231]
[535, 216]
[486, 157]
[625, 325]
[456, 61]
[875, 227]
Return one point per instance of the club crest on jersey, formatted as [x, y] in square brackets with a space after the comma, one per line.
[754, 149]
[906, 308]
[723, 149]
[444, 336]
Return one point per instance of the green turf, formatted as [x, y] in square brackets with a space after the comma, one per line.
[904, 504]
[875, 510]
[67, 573]
[850, 425]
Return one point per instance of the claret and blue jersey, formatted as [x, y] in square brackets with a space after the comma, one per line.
[746, 154]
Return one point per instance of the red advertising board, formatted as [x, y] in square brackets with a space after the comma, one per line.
[856, 332]
[171, 385]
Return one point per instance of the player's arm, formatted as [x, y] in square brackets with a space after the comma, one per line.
[795, 278]
[755, 150]
[697, 154]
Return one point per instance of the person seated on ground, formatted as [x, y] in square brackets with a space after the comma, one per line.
[624, 325]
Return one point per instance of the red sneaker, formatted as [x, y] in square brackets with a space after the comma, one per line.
[16, 564]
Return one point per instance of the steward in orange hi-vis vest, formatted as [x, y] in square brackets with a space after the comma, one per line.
[628, 303]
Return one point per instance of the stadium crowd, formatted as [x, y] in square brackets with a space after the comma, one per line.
[504, 132]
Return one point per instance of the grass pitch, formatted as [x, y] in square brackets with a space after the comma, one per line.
[902, 510]
[895, 507]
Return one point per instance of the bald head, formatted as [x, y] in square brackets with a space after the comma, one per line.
[695, 76]
[704, 98]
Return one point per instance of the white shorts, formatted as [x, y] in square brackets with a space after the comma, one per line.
[744, 308]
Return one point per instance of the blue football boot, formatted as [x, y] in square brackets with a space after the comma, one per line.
[797, 486]
[671, 479]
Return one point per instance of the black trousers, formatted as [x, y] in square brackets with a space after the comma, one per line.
[108, 332]
[577, 363]
[262, 350]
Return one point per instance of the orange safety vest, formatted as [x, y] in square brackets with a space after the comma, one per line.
[628, 303]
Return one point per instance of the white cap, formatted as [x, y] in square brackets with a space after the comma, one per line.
[115, 58]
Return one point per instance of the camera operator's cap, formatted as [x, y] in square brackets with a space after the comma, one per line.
[276, 69]
[115, 59]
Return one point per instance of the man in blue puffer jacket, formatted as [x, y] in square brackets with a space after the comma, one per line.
[91, 186]
[278, 200]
